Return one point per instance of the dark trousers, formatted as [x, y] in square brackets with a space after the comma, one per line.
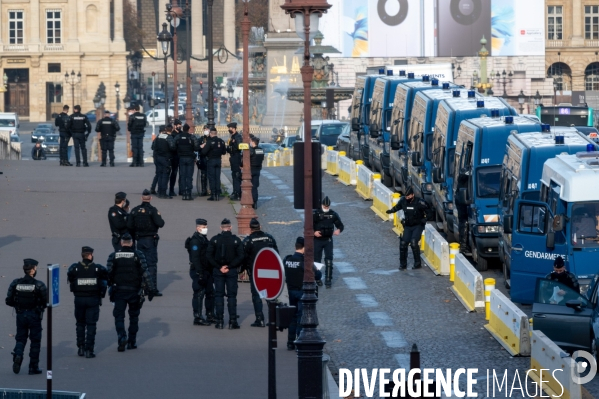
[255, 183]
[137, 147]
[235, 161]
[173, 173]
[107, 144]
[295, 327]
[186, 166]
[229, 281]
[320, 245]
[411, 236]
[149, 247]
[163, 170]
[213, 170]
[79, 142]
[122, 299]
[64, 145]
[29, 324]
[256, 300]
[202, 293]
[87, 313]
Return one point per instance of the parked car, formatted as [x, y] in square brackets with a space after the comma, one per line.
[158, 116]
[158, 95]
[51, 145]
[9, 121]
[40, 133]
[268, 147]
[288, 142]
[343, 141]
[91, 115]
[325, 131]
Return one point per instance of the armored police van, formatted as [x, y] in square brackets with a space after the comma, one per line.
[478, 166]
[450, 114]
[402, 113]
[527, 246]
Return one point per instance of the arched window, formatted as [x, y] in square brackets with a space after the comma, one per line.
[91, 19]
[561, 74]
[591, 76]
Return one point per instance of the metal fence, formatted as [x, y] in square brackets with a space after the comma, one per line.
[264, 133]
[10, 393]
[9, 149]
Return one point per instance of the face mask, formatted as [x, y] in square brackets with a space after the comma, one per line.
[204, 231]
[206, 132]
[325, 210]
[35, 273]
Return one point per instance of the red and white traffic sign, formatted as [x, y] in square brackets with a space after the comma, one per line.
[269, 274]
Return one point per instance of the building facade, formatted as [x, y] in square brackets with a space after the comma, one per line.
[42, 40]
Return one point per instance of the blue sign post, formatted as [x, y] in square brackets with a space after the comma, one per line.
[53, 300]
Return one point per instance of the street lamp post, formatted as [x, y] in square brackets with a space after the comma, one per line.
[127, 103]
[73, 80]
[230, 91]
[209, 45]
[538, 100]
[172, 13]
[310, 343]
[521, 100]
[555, 87]
[504, 79]
[188, 114]
[165, 39]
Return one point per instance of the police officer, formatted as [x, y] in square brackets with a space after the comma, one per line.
[117, 218]
[161, 129]
[561, 275]
[414, 218]
[174, 159]
[200, 272]
[252, 244]
[186, 145]
[28, 296]
[62, 123]
[235, 160]
[327, 224]
[294, 277]
[137, 126]
[163, 147]
[462, 208]
[89, 282]
[144, 221]
[256, 160]
[202, 161]
[80, 128]
[129, 280]
[107, 129]
[225, 254]
[214, 149]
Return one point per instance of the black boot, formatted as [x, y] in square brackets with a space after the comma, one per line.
[122, 343]
[416, 254]
[212, 198]
[189, 196]
[220, 324]
[111, 163]
[204, 183]
[233, 325]
[210, 318]
[67, 163]
[133, 165]
[103, 164]
[131, 344]
[78, 164]
[85, 164]
[62, 163]
[81, 351]
[34, 368]
[328, 272]
[403, 255]
[153, 191]
[259, 320]
[16, 363]
[198, 320]
[89, 353]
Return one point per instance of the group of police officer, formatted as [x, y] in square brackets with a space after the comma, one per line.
[77, 127]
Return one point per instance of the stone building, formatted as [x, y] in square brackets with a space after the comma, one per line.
[81, 36]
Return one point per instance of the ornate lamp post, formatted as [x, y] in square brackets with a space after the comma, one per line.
[188, 114]
[230, 91]
[172, 13]
[521, 100]
[127, 103]
[165, 38]
[309, 344]
[555, 87]
[117, 89]
[210, 56]
[247, 210]
[504, 79]
[73, 80]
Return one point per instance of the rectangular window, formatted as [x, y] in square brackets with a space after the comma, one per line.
[53, 26]
[53, 68]
[532, 219]
[15, 26]
[591, 22]
[554, 22]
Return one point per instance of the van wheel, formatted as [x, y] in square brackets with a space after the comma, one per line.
[506, 276]
[481, 263]
[449, 234]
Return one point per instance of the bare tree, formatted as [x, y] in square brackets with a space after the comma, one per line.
[258, 14]
[131, 29]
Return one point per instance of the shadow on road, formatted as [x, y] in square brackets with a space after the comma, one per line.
[166, 279]
[4, 241]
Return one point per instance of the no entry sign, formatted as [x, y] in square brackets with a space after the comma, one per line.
[269, 274]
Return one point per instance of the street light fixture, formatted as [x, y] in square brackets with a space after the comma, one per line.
[73, 80]
[538, 99]
[521, 100]
[117, 89]
[165, 38]
[127, 101]
[310, 343]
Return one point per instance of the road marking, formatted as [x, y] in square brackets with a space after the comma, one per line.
[394, 339]
[380, 319]
[384, 272]
[283, 186]
[290, 199]
[355, 283]
[345, 267]
[338, 254]
[277, 181]
[367, 300]
[265, 273]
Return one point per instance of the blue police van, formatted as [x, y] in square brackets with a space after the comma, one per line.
[476, 186]
[538, 209]
[450, 114]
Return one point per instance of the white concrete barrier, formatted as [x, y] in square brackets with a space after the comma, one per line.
[332, 162]
[397, 226]
[323, 157]
[382, 200]
[468, 284]
[365, 182]
[436, 251]
[556, 368]
[286, 157]
[509, 325]
[347, 171]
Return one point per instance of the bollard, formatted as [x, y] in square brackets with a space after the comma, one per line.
[325, 376]
[489, 286]
[530, 327]
[422, 241]
[342, 153]
[454, 249]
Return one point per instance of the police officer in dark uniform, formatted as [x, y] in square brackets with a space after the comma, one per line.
[252, 244]
[80, 128]
[144, 221]
[174, 159]
[256, 160]
[462, 208]
[225, 254]
[29, 297]
[561, 275]
[62, 123]
[202, 162]
[129, 280]
[214, 149]
[89, 282]
[163, 147]
[294, 277]
[327, 224]
[117, 218]
[107, 129]
[200, 272]
[186, 145]
[137, 126]
[161, 129]
[235, 160]
[415, 214]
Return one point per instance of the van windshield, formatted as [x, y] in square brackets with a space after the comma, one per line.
[584, 224]
[7, 123]
[488, 182]
[332, 130]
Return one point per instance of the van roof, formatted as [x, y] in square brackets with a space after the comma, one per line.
[419, 83]
[464, 103]
[576, 174]
[571, 137]
[492, 122]
[440, 94]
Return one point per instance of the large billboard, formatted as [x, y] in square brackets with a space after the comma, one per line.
[428, 28]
